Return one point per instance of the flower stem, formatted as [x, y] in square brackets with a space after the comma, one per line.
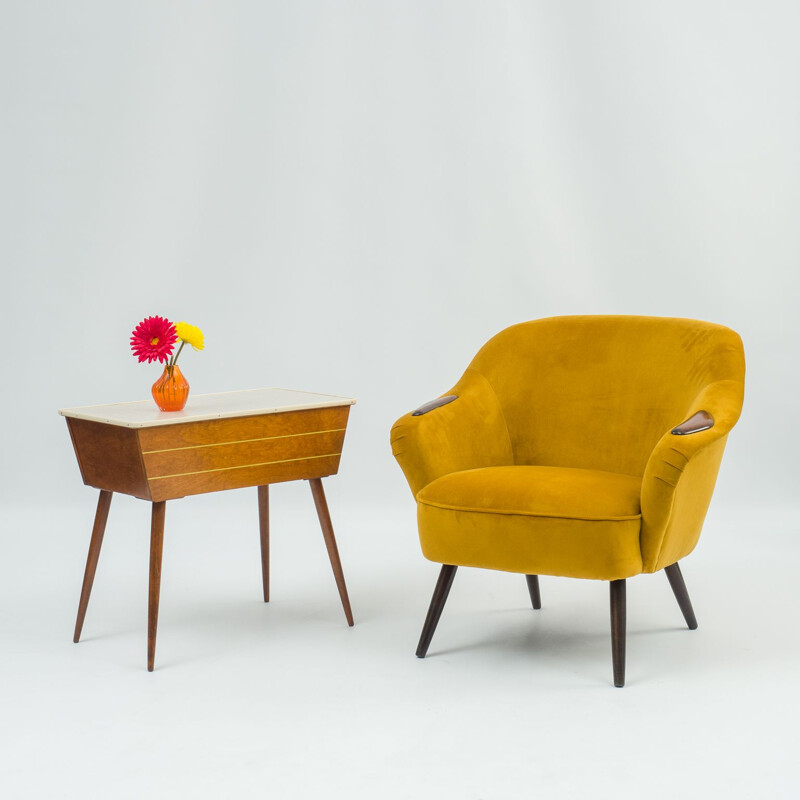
[174, 359]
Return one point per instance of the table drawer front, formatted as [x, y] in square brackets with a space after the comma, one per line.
[238, 478]
[215, 455]
[194, 459]
[243, 429]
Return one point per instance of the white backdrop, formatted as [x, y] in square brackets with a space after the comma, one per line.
[352, 197]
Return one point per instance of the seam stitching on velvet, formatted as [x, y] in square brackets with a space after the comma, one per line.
[664, 480]
[502, 410]
[669, 517]
[682, 455]
[525, 513]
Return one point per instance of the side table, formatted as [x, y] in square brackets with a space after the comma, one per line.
[228, 440]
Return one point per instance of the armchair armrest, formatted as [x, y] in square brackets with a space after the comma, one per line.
[701, 421]
[681, 472]
[432, 404]
[461, 435]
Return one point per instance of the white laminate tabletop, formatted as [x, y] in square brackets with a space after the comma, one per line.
[145, 413]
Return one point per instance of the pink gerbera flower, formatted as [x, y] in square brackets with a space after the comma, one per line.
[153, 339]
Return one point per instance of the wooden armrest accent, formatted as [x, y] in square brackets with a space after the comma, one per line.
[701, 421]
[439, 401]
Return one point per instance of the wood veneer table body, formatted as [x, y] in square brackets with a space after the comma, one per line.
[222, 441]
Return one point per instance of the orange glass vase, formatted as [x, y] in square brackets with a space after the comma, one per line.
[171, 390]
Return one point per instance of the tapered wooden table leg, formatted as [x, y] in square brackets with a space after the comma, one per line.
[100, 519]
[156, 549]
[263, 524]
[330, 542]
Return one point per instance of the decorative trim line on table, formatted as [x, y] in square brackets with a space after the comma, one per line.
[243, 441]
[240, 466]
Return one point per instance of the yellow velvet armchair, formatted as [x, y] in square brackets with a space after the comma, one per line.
[582, 447]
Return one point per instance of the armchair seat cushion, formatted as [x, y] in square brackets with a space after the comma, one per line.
[537, 520]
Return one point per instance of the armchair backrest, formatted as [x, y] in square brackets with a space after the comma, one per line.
[598, 392]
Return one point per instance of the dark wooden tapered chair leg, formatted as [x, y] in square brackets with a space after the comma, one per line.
[618, 623]
[330, 542]
[435, 611]
[533, 589]
[263, 524]
[675, 578]
[100, 519]
[156, 549]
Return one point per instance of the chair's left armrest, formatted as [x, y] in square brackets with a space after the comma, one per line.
[432, 405]
[464, 429]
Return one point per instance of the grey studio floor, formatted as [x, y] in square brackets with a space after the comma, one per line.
[283, 700]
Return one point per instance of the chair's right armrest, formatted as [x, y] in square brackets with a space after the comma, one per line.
[464, 429]
[679, 477]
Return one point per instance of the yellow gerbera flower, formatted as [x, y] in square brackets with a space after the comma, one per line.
[191, 334]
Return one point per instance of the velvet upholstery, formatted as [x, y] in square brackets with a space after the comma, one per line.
[558, 457]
